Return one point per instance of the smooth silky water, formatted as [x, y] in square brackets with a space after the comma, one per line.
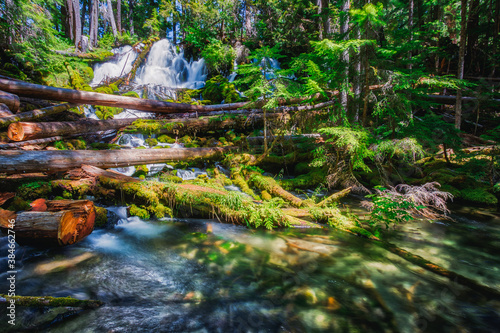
[203, 276]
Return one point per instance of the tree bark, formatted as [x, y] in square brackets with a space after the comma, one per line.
[119, 16]
[28, 131]
[12, 101]
[69, 31]
[111, 17]
[461, 63]
[94, 22]
[77, 25]
[4, 111]
[131, 4]
[344, 31]
[20, 161]
[41, 228]
[20, 144]
[35, 114]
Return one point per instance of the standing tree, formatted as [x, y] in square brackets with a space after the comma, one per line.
[111, 18]
[119, 16]
[94, 22]
[461, 63]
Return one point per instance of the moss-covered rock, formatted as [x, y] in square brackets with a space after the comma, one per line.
[18, 204]
[307, 181]
[34, 190]
[151, 142]
[101, 216]
[139, 212]
[479, 196]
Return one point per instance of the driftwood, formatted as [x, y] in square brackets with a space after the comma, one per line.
[12, 101]
[28, 131]
[21, 144]
[35, 114]
[19, 161]
[4, 111]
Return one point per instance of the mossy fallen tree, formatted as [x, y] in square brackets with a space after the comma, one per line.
[35, 114]
[29, 131]
[18, 162]
[44, 301]
[20, 144]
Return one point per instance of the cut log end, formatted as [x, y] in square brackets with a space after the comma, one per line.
[15, 132]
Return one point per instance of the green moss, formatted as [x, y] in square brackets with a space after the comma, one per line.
[103, 146]
[141, 170]
[151, 142]
[218, 89]
[34, 190]
[160, 210]
[152, 126]
[310, 180]
[265, 195]
[101, 217]
[170, 178]
[139, 212]
[239, 181]
[478, 195]
[18, 204]
[131, 93]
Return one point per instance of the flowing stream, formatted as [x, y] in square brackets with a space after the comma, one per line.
[203, 276]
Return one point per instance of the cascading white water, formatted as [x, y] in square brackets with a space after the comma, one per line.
[166, 70]
[119, 66]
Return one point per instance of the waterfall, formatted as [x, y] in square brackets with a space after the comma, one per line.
[166, 70]
[121, 64]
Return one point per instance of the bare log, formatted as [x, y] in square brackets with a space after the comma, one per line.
[12, 101]
[40, 228]
[35, 114]
[19, 161]
[89, 171]
[21, 144]
[27, 131]
[4, 111]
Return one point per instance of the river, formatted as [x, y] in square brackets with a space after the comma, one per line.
[204, 276]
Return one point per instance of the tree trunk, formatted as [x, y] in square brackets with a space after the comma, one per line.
[35, 114]
[68, 9]
[344, 31]
[22, 131]
[20, 161]
[77, 25]
[326, 19]
[119, 16]
[111, 17]
[85, 7]
[461, 62]
[16, 145]
[12, 101]
[131, 4]
[410, 28]
[5, 111]
[94, 22]
[319, 4]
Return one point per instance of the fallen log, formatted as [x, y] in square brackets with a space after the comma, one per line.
[335, 197]
[54, 222]
[451, 100]
[28, 131]
[6, 196]
[183, 126]
[40, 228]
[12, 101]
[4, 111]
[20, 144]
[35, 114]
[259, 140]
[19, 161]
[87, 171]
[44, 301]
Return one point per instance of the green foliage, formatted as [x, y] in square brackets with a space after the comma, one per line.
[390, 208]
[406, 150]
[353, 142]
[219, 57]
[18, 204]
[218, 89]
[268, 215]
[151, 142]
[34, 190]
[478, 196]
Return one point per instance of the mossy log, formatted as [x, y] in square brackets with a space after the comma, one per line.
[43, 301]
[12, 101]
[4, 111]
[270, 185]
[28, 131]
[15, 145]
[18, 161]
[35, 114]
[335, 197]
[259, 140]
[185, 126]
